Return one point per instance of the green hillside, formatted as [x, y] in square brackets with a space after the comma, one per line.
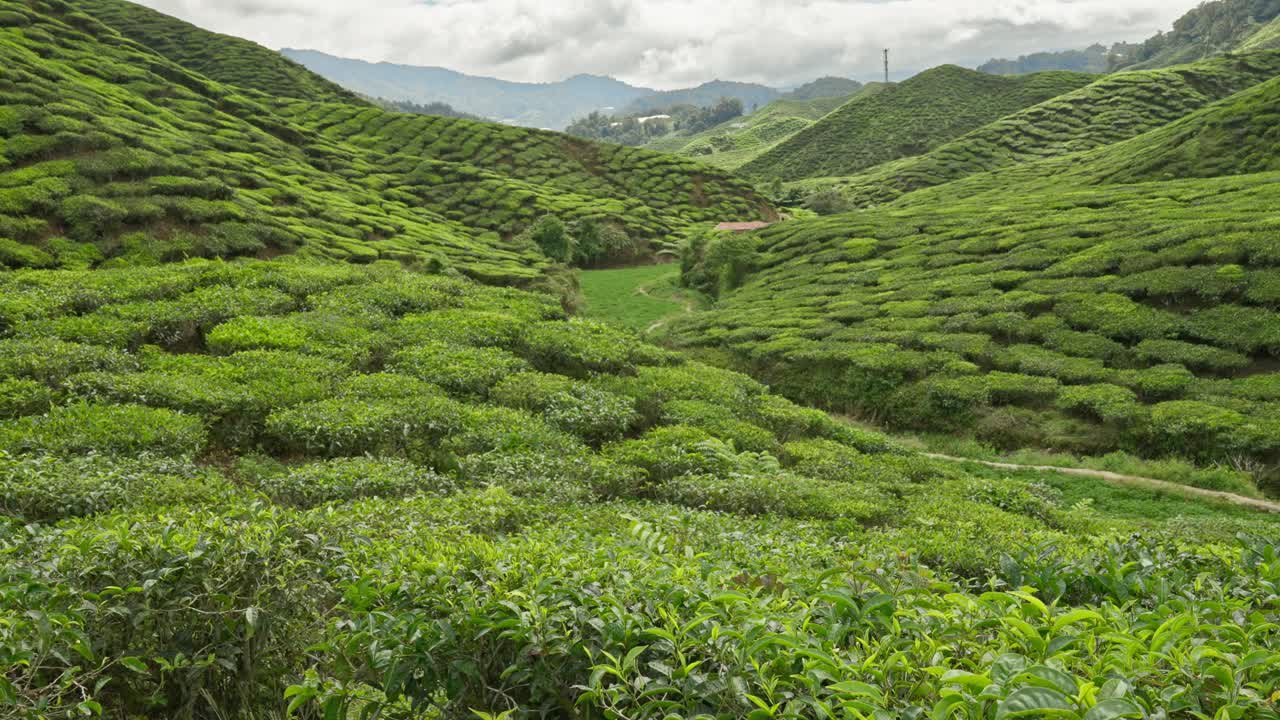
[452, 162]
[732, 144]
[226, 59]
[113, 154]
[907, 119]
[1114, 108]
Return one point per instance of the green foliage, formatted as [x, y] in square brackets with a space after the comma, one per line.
[551, 236]
[104, 429]
[349, 479]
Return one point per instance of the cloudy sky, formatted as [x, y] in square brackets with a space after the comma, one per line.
[673, 43]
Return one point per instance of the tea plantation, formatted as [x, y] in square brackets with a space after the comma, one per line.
[222, 58]
[907, 119]
[294, 422]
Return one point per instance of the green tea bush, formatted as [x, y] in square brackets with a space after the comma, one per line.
[597, 416]
[777, 494]
[460, 327]
[1108, 403]
[51, 360]
[352, 427]
[85, 428]
[346, 479]
[47, 489]
[721, 423]
[580, 348]
[20, 396]
[457, 368]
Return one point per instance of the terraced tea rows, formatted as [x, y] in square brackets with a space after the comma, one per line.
[908, 119]
[223, 58]
[649, 194]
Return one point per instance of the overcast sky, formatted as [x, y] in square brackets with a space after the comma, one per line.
[675, 43]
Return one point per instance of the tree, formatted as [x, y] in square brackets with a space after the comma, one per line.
[828, 202]
[549, 234]
[587, 247]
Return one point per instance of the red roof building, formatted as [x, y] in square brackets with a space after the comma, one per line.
[742, 226]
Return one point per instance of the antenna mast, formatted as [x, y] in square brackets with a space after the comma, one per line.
[886, 66]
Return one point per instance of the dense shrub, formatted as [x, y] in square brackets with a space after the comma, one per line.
[597, 416]
[44, 489]
[580, 348]
[349, 479]
[459, 369]
[104, 429]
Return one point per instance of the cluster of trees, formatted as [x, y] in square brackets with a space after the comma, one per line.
[1095, 59]
[432, 108]
[584, 243]
[1213, 26]
[640, 128]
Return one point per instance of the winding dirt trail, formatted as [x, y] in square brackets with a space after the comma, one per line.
[1128, 481]
[689, 306]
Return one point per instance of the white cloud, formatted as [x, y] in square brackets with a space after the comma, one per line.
[670, 43]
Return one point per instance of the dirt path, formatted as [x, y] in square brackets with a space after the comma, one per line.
[689, 306]
[1128, 481]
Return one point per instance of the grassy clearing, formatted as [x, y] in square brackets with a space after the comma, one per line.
[636, 297]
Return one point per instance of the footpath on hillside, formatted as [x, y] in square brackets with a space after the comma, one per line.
[1127, 481]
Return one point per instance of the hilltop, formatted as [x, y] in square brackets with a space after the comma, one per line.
[160, 163]
[1115, 107]
[907, 119]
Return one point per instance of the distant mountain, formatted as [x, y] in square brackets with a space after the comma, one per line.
[1093, 59]
[1210, 29]
[752, 96]
[546, 105]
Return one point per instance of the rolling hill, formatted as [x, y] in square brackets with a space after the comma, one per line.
[113, 153]
[1113, 108]
[733, 144]
[907, 119]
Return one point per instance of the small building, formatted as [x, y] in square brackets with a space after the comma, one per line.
[739, 227]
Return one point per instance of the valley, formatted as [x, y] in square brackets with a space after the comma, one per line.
[313, 408]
